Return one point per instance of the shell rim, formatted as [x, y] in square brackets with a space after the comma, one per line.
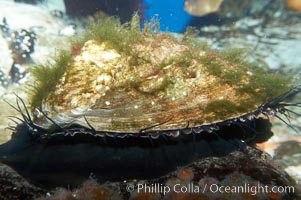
[271, 108]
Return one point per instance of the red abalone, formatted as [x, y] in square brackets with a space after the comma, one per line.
[127, 104]
[156, 82]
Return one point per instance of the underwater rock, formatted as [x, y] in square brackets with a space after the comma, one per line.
[246, 170]
[252, 168]
[288, 148]
[14, 187]
[288, 156]
[29, 1]
[21, 43]
[4, 80]
[129, 104]
[122, 8]
[69, 30]
[15, 75]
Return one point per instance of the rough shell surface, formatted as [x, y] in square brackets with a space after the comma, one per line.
[162, 84]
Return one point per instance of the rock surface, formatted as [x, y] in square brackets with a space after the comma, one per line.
[253, 168]
[15, 187]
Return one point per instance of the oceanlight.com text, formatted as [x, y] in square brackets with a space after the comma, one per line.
[209, 188]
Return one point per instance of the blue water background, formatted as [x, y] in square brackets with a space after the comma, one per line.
[171, 14]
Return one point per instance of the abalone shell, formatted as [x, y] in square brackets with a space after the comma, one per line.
[130, 104]
[159, 83]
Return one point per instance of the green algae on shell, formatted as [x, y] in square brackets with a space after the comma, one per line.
[120, 79]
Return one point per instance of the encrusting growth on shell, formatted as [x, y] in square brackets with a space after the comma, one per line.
[125, 80]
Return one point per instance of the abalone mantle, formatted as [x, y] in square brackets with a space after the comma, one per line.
[161, 83]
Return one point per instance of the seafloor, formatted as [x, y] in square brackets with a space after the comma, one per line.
[272, 42]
